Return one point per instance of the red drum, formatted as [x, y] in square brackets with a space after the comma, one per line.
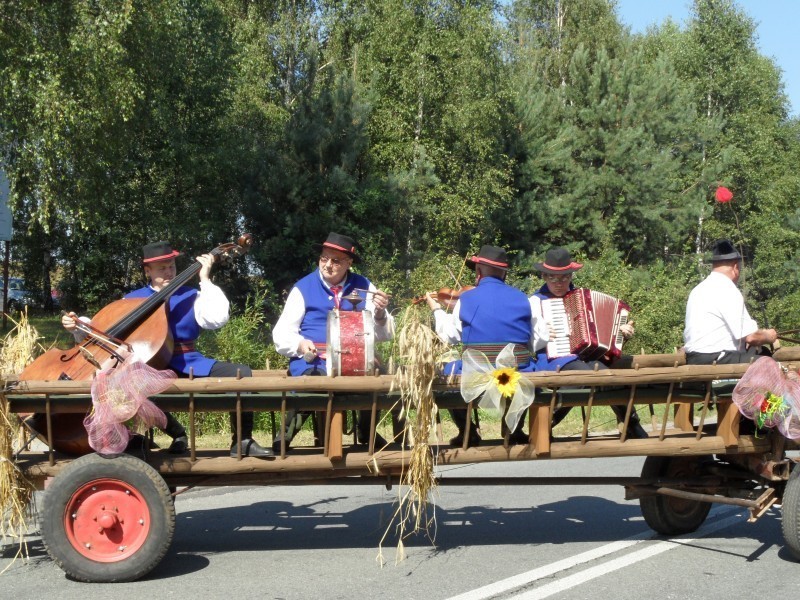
[351, 343]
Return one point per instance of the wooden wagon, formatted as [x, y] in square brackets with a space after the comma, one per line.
[112, 518]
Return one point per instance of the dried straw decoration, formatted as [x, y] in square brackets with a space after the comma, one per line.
[418, 348]
[16, 492]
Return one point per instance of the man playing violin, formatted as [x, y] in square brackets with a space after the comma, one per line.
[300, 333]
[189, 312]
[556, 270]
[487, 318]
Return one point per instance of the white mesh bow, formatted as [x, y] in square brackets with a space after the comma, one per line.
[479, 376]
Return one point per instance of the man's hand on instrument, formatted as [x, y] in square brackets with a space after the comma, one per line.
[380, 300]
[627, 330]
[307, 350]
[552, 330]
[206, 261]
[433, 303]
[69, 321]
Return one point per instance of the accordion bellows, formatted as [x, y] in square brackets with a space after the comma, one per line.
[586, 323]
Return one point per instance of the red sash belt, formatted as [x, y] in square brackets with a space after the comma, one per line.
[183, 347]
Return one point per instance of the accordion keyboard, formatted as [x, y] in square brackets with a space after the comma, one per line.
[555, 315]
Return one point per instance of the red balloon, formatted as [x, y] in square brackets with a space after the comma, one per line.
[723, 195]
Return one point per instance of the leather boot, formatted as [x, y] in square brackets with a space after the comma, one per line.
[635, 429]
[362, 430]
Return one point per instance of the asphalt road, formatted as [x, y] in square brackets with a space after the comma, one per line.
[490, 542]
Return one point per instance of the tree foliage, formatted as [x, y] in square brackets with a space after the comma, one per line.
[422, 128]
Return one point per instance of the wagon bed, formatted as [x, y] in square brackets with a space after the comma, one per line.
[691, 458]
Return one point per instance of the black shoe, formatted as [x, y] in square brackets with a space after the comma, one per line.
[276, 447]
[251, 447]
[179, 445]
[474, 439]
[636, 431]
[363, 439]
[518, 438]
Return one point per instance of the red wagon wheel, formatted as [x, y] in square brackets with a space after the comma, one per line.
[107, 519]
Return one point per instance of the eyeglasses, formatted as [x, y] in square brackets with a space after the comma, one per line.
[557, 278]
[334, 261]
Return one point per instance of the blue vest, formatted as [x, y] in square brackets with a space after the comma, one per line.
[542, 362]
[494, 313]
[314, 326]
[184, 328]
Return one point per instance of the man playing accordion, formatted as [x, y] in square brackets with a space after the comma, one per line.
[557, 269]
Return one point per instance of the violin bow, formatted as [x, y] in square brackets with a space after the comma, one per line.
[784, 335]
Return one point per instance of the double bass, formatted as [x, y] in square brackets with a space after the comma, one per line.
[124, 328]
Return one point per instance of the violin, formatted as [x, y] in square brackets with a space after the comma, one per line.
[447, 297]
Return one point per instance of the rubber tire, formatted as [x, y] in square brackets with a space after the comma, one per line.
[790, 513]
[668, 515]
[132, 472]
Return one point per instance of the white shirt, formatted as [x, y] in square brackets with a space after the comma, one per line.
[716, 317]
[286, 334]
[448, 325]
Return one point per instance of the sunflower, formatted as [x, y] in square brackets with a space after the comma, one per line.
[506, 380]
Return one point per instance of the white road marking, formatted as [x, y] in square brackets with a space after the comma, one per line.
[524, 579]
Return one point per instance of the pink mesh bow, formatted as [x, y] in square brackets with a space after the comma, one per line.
[765, 395]
[119, 399]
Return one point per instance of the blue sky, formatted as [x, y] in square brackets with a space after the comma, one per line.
[776, 22]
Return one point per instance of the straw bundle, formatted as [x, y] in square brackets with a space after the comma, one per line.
[15, 491]
[418, 347]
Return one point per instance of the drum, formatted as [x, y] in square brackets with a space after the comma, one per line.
[351, 343]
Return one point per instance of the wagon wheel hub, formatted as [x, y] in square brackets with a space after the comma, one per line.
[107, 520]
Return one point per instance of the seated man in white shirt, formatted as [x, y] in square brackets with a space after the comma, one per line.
[718, 327]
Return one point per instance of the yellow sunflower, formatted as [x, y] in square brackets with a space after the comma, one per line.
[506, 380]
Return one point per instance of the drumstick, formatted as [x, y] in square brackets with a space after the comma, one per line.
[372, 292]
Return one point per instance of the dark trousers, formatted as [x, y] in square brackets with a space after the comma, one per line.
[580, 365]
[726, 357]
[295, 420]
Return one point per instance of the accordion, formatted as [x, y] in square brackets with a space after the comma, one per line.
[585, 323]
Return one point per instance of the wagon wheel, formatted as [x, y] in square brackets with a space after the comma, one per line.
[790, 513]
[668, 515]
[107, 519]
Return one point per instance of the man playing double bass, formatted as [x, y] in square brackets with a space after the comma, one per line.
[189, 312]
[301, 331]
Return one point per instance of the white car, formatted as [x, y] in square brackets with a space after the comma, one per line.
[18, 296]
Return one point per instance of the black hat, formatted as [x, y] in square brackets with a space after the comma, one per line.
[158, 251]
[489, 255]
[724, 250]
[342, 243]
[558, 260]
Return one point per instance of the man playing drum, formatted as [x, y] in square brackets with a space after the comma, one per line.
[487, 318]
[301, 330]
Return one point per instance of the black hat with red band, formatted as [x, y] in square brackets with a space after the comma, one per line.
[158, 251]
[489, 255]
[342, 243]
[558, 260]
